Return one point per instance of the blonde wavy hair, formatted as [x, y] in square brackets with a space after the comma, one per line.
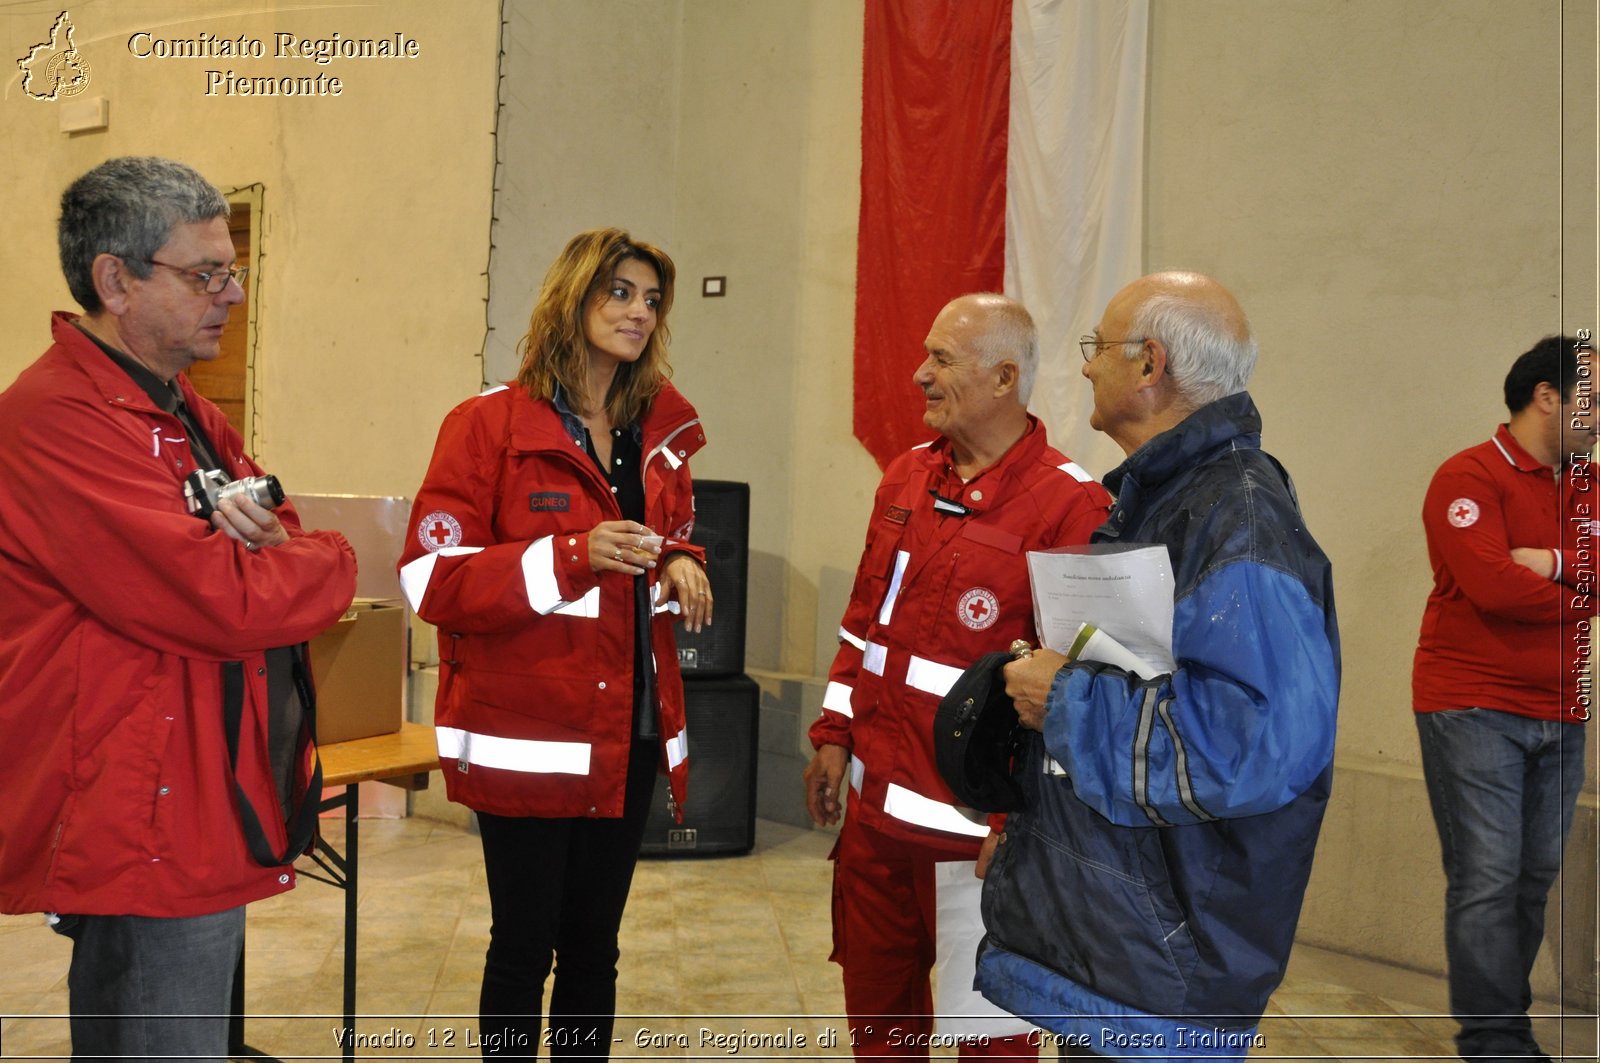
[554, 351]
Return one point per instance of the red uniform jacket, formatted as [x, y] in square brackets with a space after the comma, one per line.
[117, 611]
[535, 709]
[1494, 634]
[933, 593]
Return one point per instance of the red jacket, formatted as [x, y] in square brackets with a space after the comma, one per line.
[119, 609]
[534, 715]
[1494, 634]
[932, 594]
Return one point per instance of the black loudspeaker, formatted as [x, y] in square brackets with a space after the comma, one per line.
[720, 817]
[722, 528]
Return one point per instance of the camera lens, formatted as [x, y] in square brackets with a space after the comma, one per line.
[265, 491]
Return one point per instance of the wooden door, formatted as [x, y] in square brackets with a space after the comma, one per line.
[226, 381]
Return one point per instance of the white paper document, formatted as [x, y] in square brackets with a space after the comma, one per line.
[1109, 602]
[963, 1012]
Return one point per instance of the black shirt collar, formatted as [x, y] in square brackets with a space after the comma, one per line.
[165, 395]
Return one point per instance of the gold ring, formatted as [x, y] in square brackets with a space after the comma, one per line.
[1021, 650]
[616, 555]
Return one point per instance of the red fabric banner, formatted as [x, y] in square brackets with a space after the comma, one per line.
[934, 109]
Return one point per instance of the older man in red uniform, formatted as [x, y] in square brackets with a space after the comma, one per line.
[943, 580]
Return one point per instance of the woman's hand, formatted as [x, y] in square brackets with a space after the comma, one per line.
[623, 546]
[684, 577]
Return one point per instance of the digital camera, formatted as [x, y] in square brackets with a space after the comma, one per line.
[206, 487]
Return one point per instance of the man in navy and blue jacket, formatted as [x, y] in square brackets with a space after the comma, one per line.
[1144, 903]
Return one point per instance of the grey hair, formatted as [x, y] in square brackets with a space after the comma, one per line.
[1206, 359]
[128, 207]
[1009, 333]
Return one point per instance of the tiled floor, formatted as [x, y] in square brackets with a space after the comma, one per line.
[729, 948]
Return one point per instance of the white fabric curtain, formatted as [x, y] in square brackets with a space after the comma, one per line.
[1075, 191]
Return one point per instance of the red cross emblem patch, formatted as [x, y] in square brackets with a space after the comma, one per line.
[1463, 513]
[438, 530]
[978, 608]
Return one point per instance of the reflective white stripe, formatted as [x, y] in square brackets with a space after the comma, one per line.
[845, 636]
[887, 608]
[858, 771]
[539, 578]
[491, 391]
[931, 676]
[513, 754]
[669, 606]
[873, 657]
[909, 806]
[678, 748]
[664, 448]
[415, 575]
[1076, 471]
[587, 607]
[837, 698]
[539, 575]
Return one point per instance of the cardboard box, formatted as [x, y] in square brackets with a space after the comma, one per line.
[359, 665]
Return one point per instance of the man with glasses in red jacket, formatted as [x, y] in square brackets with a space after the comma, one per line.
[154, 698]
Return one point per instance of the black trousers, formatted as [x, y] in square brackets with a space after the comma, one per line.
[557, 889]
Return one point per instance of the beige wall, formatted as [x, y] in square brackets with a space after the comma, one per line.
[586, 140]
[734, 144]
[371, 281]
[1382, 185]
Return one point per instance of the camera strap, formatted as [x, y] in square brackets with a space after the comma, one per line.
[301, 823]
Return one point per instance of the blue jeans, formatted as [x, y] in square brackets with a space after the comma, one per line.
[1502, 788]
[142, 987]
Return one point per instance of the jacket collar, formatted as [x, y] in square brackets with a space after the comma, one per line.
[1517, 457]
[572, 424]
[542, 425]
[1231, 422]
[988, 487]
[108, 377]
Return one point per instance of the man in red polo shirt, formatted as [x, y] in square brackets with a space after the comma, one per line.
[1500, 683]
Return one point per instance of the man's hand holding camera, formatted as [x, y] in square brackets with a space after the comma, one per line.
[241, 517]
[240, 509]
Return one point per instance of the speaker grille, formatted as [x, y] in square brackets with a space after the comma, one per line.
[722, 528]
[720, 818]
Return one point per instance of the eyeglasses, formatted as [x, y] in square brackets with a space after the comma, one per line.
[212, 282]
[1091, 346]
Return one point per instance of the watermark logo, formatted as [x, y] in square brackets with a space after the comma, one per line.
[55, 69]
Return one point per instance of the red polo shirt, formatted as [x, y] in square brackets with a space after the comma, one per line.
[1494, 634]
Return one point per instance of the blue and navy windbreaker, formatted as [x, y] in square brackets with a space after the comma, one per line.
[1148, 899]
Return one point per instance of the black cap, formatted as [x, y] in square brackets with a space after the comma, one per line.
[975, 735]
